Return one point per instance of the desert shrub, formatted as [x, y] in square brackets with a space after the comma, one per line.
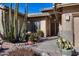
[32, 37]
[22, 36]
[40, 33]
[10, 37]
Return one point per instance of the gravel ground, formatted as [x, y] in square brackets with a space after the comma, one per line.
[48, 46]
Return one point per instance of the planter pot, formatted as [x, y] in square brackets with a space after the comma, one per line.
[66, 52]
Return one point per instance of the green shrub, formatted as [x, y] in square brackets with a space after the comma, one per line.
[40, 33]
[22, 37]
[31, 37]
[9, 37]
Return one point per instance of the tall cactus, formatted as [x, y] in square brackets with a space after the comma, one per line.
[15, 20]
[26, 16]
[10, 17]
[10, 33]
[10, 26]
[24, 25]
[4, 23]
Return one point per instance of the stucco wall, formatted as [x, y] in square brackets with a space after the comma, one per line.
[48, 27]
[66, 27]
[1, 27]
[43, 27]
[66, 31]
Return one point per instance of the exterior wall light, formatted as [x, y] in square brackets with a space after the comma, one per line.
[67, 17]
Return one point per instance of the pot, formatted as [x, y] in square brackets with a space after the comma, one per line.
[65, 52]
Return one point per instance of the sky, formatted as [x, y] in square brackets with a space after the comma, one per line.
[32, 7]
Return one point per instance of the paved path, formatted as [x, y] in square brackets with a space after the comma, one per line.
[49, 47]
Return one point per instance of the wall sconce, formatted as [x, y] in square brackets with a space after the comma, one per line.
[67, 18]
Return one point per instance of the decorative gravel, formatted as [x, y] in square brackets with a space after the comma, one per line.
[46, 48]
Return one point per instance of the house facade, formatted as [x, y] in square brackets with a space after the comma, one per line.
[45, 21]
[66, 26]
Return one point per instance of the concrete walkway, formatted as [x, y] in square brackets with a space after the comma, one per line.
[49, 47]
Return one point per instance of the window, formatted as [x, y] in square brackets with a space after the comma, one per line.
[37, 24]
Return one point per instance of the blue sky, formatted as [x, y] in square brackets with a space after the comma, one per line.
[32, 7]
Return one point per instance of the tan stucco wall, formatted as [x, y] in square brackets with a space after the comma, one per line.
[66, 30]
[66, 27]
[47, 26]
[43, 27]
[1, 27]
